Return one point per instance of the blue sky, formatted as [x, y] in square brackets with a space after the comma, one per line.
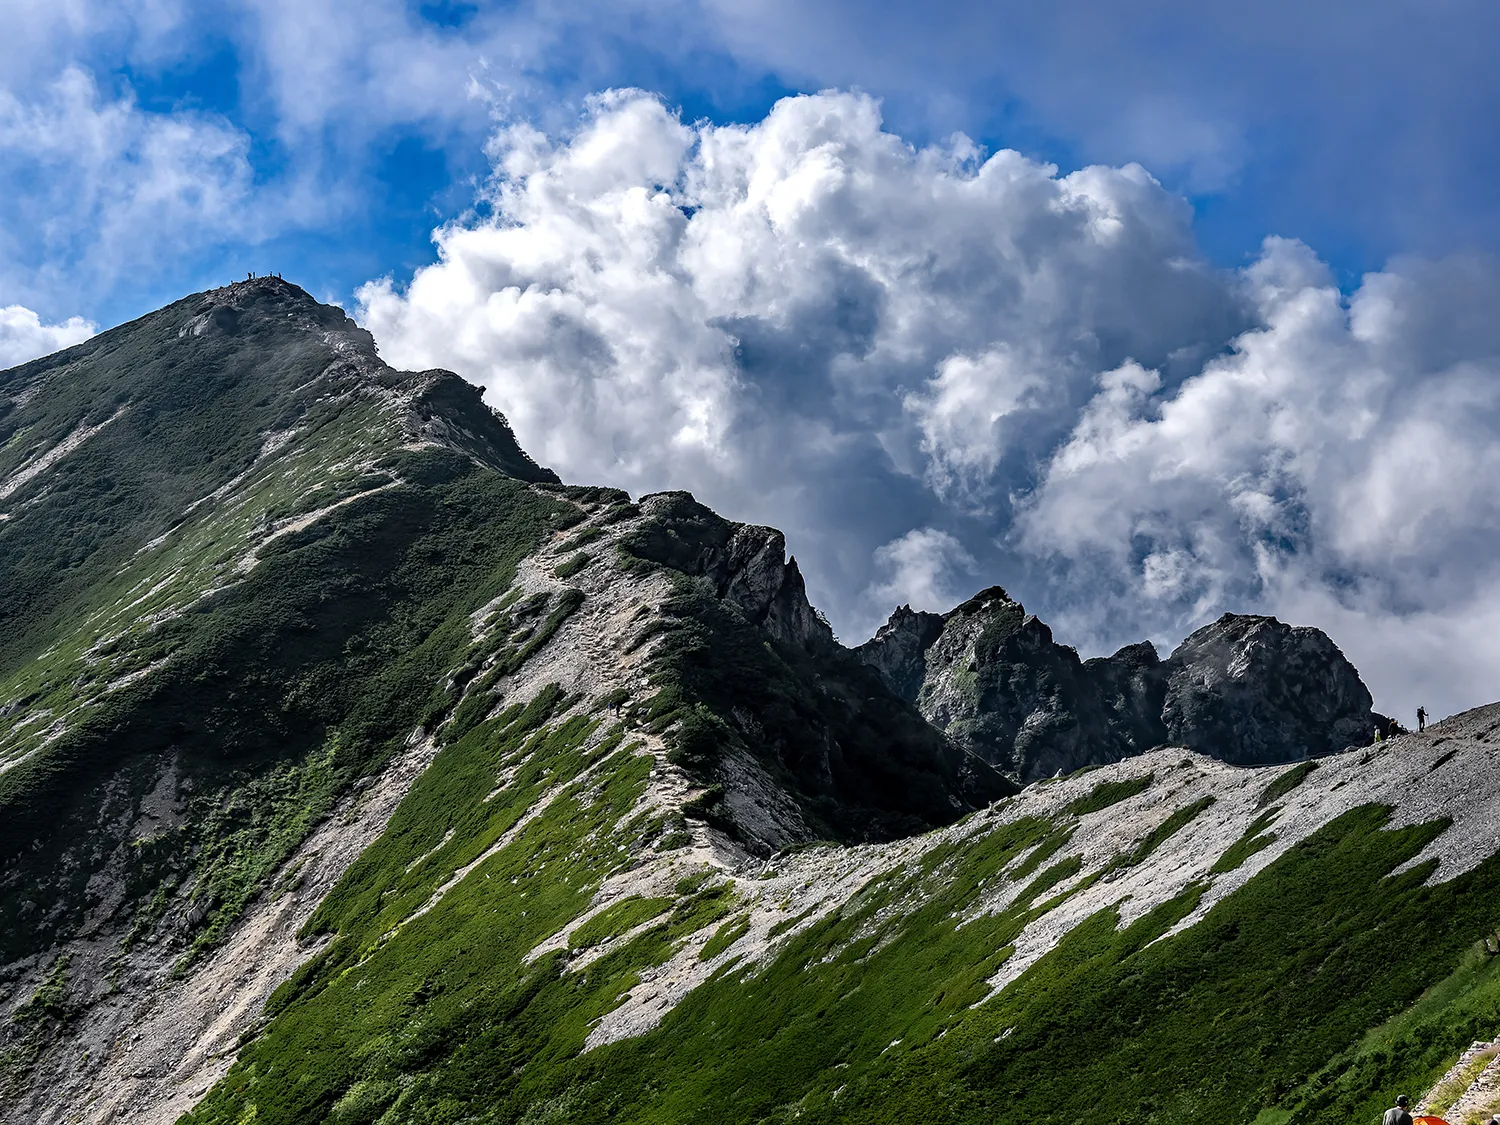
[1363, 134]
[1234, 351]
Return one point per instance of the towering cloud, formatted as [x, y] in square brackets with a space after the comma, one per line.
[1338, 461]
[936, 364]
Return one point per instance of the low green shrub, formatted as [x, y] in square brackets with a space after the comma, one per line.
[1108, 793]
[1254, 839]
[1283, 783]
[699, 735]
[1163, 832]
[725, 936]
[616, 919]
[705, 805]
[571, 566]
[581, 539]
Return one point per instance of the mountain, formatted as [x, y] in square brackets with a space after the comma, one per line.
[355, 769]
[1245, 689]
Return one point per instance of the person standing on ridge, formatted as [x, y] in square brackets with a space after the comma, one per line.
[1398, 1114]
[1421, 719]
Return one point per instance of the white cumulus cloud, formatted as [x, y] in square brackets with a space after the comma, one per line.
[1338, 460]
[100, 189]
[939, 368]
[926, 569]
[769, 313]
[23, 336]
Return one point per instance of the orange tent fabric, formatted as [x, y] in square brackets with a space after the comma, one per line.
[1429, 1121]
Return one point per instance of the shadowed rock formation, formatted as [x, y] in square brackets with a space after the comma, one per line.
[1253, 689]
[1246, 689]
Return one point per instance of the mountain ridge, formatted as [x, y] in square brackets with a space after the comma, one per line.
[361, 771]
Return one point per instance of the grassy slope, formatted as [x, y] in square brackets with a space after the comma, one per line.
[1317, 988]
[281, 690]
[270, 690]
[877, 1013]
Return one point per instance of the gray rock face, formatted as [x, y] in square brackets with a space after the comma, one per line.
[1132, 687]
[1252, 690]
[1249, 690]
[747, 564]
[862, 761]
[998, 685]
[899, 650]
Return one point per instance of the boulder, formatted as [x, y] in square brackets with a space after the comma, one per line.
[1253, 690]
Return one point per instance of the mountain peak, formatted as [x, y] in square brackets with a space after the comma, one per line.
[991, 597]
[271, 302]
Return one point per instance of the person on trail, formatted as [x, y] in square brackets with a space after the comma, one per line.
[1421, 719]
[1379, 734]
[1398, 1114]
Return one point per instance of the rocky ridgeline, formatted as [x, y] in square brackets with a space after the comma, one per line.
[1246, 689]
[746, 564]
[857, 757]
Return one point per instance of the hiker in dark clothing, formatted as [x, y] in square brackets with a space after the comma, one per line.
[1421, 719]
[1398, 1113]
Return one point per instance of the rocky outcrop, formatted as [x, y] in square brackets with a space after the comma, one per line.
[857, 757]
[1132, 689]
[899, 650]
[1246, 689]
[747, 565]
[1253, 690]
[998, 685]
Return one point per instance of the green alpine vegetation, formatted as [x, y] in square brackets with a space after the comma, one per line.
[357, 770]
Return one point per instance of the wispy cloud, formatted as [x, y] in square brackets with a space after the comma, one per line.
[98, 188]
[926, 569]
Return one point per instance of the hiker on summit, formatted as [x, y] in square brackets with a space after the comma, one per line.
[1398, 1114]
[1421, 719]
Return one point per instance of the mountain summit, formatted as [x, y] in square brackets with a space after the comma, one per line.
[355, 769]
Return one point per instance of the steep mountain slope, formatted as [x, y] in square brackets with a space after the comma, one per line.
[1167, 937]
[247, 569]
[365, 773]
[1245, 689]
